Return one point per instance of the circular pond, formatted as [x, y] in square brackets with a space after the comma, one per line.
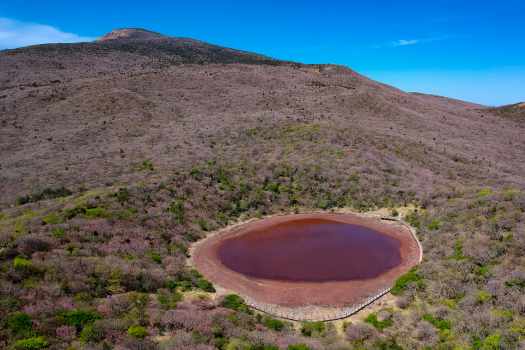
[311, 250]
[307, 266]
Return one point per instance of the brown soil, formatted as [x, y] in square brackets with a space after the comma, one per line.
[296, 294]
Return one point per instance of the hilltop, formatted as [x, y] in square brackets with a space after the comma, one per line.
[131, 34]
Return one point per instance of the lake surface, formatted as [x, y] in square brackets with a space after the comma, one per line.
[311, 250]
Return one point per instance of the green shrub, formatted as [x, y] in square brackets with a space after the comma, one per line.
[482, 271]
[263, 347]
[179, 247]
[137, 332]
[90, 333]
[96, 212]
[405, 280]
[58, 232]
[235, 302]
[312, 329]
[156, 257]
[33, 343]
[22, 264]
[298, 347]
[225, 184]
[236, 344]
[483, 296]
[169, 299]
[205, 285]
[122, 195]
[73, 212]
[78, 317]
[388, 344]
[515, 282]
[189, 279]
[437, 322]
[52, 219]
[146, 165]
[126, 214]
[458, 251]
[177, 210]
[380, 325]
[484, 192]
[20, 323]
[434, 225]
[413, 219]
[491, 342]
[274, 324]
[203, 224]
[272, 187]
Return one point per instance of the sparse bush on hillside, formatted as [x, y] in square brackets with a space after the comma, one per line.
[177, 209]
[437, 322]
[20, 324]
[96, 212]
[273, 323]
[46, 193]
[22, 264]
[78, 318]
[91, 333]
[189, 279]
[411, 277]
[235, 302]
[137, 332]
[122, 195]
[313, 329]
[298, 347]
[169, 299]
[34, 343]
[435, 224]
[378, 324]
[146, 165]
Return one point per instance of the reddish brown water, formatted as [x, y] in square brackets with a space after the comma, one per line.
[311, 250]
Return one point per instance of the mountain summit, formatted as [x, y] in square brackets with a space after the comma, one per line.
[131, 34]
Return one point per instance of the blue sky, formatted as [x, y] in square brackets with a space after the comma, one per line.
[472, 50]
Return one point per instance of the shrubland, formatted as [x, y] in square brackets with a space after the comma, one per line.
[131, 156]
[112, 279]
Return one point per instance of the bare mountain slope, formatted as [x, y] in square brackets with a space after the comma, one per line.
[87, 114]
